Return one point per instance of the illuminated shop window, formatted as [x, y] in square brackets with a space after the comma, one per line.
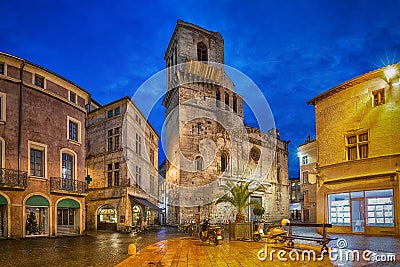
[339, 209]
[108, 214]
[380, 210]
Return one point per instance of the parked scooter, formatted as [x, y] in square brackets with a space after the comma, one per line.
[212, 234]
[275, 233]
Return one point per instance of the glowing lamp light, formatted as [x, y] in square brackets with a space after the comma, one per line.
[390, 72]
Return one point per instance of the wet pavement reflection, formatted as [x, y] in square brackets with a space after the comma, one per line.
[98, 248]
[103, 248]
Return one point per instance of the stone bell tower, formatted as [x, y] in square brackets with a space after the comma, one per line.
[199, 96]
[207, 142]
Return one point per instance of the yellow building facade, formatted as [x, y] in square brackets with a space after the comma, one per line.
[358, 133]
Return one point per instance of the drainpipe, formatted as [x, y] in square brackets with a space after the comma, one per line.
[21, 71]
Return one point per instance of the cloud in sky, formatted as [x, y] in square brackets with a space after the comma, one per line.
[292, 50]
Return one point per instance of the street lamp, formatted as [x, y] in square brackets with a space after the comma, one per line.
[390, 72]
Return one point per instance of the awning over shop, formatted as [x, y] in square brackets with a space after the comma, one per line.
[37, 201]
[68, 203]
[3, 200]
[295, 206]
[146, 203]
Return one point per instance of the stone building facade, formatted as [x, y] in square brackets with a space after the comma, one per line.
[205, 135]
[42, 137]
[122, 160]
[308, 155]
[357, 132]
[296, 199]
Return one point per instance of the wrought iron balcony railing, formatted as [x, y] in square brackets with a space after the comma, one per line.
[10, 178]
[70, 185]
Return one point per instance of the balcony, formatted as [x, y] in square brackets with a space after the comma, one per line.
[9, 179]
[63, 185]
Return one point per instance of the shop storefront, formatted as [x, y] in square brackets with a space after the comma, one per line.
[144, 212]
[107, 218]
[36, 216]
[370, 211]
[68, 217]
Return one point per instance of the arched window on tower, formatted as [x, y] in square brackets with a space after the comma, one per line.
[224, 162]
[234, 104]
[226, 101]
[218, 98]
[199, 163]
[202, 52]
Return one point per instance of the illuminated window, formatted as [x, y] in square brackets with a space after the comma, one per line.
[339, 209]
[107, 214]
[357, 146]
[67, 166]
[202, 52]
[379, 97]
[380, 209]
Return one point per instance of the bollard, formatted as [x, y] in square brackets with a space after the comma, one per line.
[131, 249]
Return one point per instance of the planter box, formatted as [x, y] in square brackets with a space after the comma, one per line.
[240, 231]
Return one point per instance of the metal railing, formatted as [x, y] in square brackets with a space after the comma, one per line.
[10, 178]
[70, 185]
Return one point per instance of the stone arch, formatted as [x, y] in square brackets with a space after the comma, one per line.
[77, 226]
[107, 217]
[45, 225]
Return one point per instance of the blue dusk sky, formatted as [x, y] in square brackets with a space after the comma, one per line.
[292, 50]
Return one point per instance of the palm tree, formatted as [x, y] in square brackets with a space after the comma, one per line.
[238, 196]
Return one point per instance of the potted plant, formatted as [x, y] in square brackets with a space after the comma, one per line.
[238, 194]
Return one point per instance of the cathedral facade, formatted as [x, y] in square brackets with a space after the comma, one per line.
[207, 141]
